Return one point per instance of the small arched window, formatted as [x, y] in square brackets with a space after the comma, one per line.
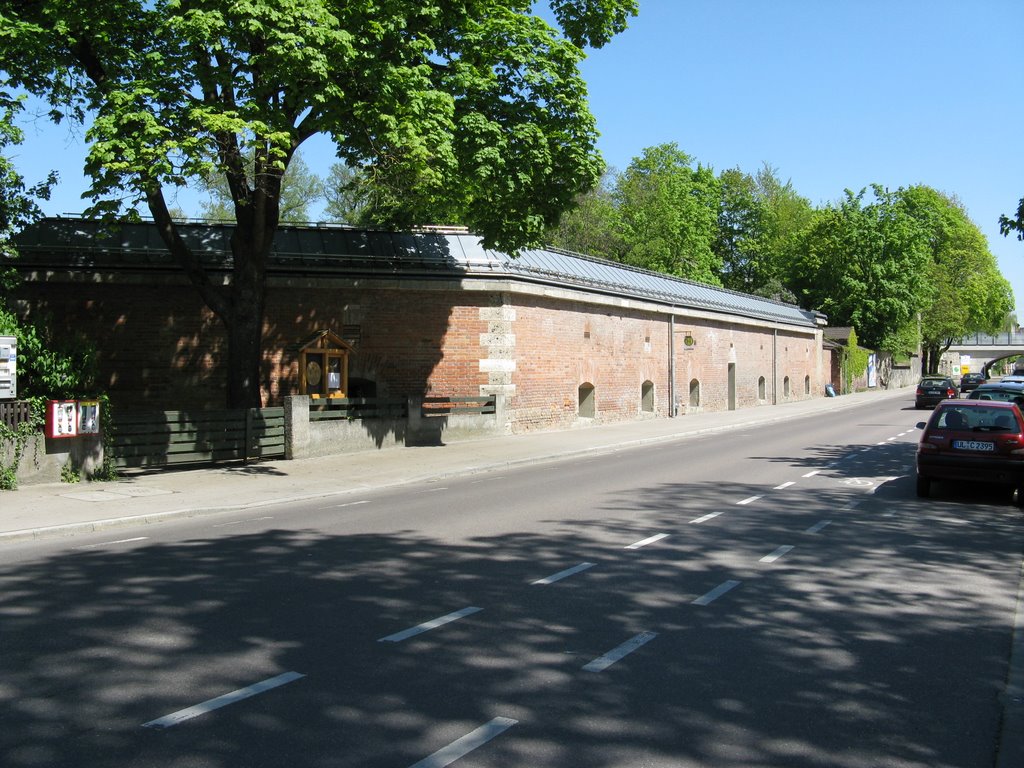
[694, 393]
[587, 404]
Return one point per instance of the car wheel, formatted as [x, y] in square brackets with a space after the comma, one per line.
[924, 486]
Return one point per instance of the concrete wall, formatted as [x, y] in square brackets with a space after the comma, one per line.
[43, 459]
[306, 439]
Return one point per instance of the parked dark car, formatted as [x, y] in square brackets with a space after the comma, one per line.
[973, 441]
[970, 381]
[932, 390]
[1009, 392]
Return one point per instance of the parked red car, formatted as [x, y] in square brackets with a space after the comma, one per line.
[973, 441]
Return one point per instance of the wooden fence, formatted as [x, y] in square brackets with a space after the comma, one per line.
[352, 408]
[15, 412]
[165, 438]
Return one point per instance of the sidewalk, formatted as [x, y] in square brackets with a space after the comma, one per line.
[61, 509]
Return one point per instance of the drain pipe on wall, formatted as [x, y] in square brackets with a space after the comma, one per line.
[775, 366]
[673, 409]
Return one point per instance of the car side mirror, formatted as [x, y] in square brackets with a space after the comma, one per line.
[920, 425]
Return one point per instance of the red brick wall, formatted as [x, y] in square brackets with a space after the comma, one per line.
[160, 347]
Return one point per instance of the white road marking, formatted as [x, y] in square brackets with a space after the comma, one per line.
[812, 473]
[351, 504]
[748, 500]
[818, 527]
[648, 540]
[110, 543]
[434, 490]
[705, 518]
[780, 552]
[426, 626]
[563, 574]
[716, 593]
[239, 522]
[463, 746]
[222, 701]
[602, 663]
[784, 485]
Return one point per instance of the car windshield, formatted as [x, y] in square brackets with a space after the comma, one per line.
[977, 420]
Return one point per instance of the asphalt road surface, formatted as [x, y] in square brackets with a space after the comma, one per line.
[770, 597]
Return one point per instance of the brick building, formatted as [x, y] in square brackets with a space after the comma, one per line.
[565, 338]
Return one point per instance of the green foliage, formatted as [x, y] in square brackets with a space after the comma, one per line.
[758, 221]
[853, 361]
[300, 188]
[1015, 224]
[863, 265]
[668, 214]
[471, 113]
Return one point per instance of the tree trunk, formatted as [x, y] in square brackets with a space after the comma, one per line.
[250, 247]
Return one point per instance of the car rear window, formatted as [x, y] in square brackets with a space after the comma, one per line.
[977, 420]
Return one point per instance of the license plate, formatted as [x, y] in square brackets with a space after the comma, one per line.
[973, 445]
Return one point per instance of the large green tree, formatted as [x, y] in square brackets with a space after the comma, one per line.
[457, 111]
[966, 292]
[865, 264]
[667, 214]
[759, 219]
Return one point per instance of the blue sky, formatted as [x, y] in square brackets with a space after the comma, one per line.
[833, 94]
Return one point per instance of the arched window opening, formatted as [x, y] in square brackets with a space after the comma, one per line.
[647, 397]
[807, 385]
[587, 401]
[694, 393]
[761, 389]
[785, 387]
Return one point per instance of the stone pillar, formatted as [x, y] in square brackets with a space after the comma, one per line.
[296, 426]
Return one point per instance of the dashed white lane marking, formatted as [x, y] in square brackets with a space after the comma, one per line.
[240, 522]
[426, 626]
[716, 593]
[351, 504]
[463, 746]
[748, 500]
[705, 518]
[784, 485]
[602, 663]
[645, 542]
[812, 473]
[564, 574]
[819, 527]
[780, 552]
[434, 490]
[222, 701]
[111, 543]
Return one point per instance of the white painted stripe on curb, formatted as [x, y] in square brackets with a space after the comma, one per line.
[463, 746]
[426, 626]
[564, 574]
[602, 663]
[645, 542]
[222, 701]
[716, 593]
[780, 552]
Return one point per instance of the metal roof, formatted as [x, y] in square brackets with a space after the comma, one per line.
[340, 251]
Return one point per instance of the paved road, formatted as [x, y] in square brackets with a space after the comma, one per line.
[755, 597]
